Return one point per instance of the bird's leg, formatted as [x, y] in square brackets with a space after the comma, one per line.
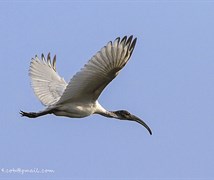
[35, 114]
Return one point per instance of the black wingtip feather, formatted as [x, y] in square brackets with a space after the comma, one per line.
[42, 56]
[117, 39]
[54, 62]
[49, 56]
[133, 44]
[54, 58]
[124, 39]
[129, 39]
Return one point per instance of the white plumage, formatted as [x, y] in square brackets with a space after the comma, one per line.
[79, 97]
[47, 84]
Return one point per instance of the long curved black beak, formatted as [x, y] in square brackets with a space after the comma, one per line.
[138, 120]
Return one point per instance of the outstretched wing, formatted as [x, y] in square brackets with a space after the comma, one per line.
[103, 67]
[47, 84]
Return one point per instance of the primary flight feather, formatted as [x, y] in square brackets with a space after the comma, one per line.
[79, 97]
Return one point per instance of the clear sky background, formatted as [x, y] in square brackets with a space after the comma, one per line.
[169, 82]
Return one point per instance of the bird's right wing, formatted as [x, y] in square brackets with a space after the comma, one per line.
[47, 84]
[104, 66]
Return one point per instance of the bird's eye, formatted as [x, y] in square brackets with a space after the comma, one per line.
[126, 112]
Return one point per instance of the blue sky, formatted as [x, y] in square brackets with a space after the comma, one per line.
[169, 82]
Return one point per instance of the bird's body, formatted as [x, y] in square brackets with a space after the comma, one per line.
[78, 109]
[79, 98]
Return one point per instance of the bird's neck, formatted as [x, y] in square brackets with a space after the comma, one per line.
[109, 114]
[102, 111]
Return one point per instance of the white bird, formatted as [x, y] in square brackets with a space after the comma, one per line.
[79, 98]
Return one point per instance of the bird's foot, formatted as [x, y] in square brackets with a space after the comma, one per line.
[30, 114]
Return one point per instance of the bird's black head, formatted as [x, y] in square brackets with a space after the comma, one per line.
[125, 115]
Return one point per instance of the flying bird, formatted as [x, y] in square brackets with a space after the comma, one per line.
[79, 97]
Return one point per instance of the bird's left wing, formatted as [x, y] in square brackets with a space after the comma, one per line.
[101, 69]
[48, 86]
